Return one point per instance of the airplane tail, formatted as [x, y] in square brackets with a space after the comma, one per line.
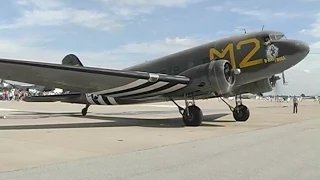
[71, 60]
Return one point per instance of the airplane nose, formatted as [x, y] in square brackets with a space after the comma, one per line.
[302, 47]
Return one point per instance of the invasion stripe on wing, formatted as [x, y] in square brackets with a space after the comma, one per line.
[141, 90]
[112, 101]
[158, 91]
[127, 86]
[131, 89]
[100, 100]
[105, 99]
[89, 98]
[152, 91]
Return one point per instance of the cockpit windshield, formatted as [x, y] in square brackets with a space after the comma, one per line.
[277, 36]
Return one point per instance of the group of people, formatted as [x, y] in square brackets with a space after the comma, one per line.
[17, 95]
[13, 95]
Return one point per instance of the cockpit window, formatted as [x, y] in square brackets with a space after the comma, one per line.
[281, 36]
[277, 36]
[272, 37]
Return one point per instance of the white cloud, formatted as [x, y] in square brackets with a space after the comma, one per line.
[215, 8]
[113, 15]
[256, 11]
[151, 3]
[315, 48]
[160, 47]
[307, 71]
[54, 12]
[129, 9]
[265, 14]
[37, 13]
[315, 32]
[315, 27]
[47, 4]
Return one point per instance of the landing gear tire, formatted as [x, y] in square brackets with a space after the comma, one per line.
[191, 114]
[241, 113]
[194, 118]
[84, 111]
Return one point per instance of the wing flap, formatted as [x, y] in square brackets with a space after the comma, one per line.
[81, 79]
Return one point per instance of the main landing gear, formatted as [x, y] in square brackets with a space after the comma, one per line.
[192, 114]
[240, 111]
[85, 110]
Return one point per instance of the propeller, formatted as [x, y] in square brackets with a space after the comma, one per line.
[273, 80]
[228, 73]
[275, 85]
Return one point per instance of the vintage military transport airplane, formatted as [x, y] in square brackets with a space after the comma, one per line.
[244, 63]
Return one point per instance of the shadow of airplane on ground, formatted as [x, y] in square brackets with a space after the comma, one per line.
[111, 121]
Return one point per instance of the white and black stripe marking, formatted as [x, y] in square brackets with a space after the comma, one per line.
[100, 100]
[149, 87]
[124, 87]
[162, 90]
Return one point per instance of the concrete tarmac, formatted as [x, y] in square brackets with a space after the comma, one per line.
[150, 141]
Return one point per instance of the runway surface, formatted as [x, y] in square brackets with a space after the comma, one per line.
[150, 142]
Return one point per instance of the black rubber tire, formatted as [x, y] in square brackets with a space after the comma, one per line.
[195, 116]
[243, 114]
[84, 111]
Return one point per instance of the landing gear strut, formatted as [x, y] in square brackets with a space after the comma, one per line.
[192, 114]
[240, 111]
[85, 110]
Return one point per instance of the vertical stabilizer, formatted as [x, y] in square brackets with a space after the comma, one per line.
[71, 60]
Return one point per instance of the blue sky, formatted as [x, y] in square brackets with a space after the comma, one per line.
[120, 33]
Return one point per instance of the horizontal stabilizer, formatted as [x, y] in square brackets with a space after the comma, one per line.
[71, 60]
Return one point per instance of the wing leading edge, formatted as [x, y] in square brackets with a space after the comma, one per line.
[108, 82]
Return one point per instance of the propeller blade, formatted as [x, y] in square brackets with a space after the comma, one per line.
[283, 79]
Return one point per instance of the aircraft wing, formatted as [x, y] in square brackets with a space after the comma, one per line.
[88, 79]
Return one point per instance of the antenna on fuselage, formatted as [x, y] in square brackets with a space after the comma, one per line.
[262, 28]
[245, 31]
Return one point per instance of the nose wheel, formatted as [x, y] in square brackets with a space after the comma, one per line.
[240, 112]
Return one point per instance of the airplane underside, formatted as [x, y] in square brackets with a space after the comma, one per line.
[191, 114]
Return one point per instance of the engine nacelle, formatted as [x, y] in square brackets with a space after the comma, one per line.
[216, 76]
[257, 87]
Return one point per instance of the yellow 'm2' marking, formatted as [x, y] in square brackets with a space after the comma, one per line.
[247, 60]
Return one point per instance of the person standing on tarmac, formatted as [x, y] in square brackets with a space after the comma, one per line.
[295, 104]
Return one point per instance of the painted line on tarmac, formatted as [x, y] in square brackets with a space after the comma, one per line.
[5, 109]
[150, 105]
